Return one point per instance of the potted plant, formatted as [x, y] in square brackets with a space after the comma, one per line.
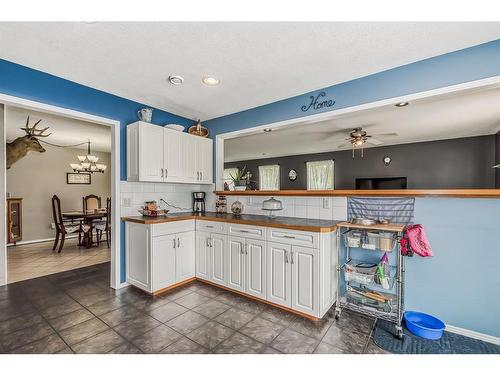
[240, 179]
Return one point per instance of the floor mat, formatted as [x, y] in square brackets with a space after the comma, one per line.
[450, 343]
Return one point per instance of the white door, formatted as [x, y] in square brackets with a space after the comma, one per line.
[163, 261]
[138, 255]
[218, 261]
[279, 280]
[150, 152]
[189, 156]
[255, 252]
[203, 255]
[185, 255]
[305, 280]
[236, 263]
[172, 155]
[204, 159]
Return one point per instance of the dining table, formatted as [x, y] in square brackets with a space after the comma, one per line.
[87, 217]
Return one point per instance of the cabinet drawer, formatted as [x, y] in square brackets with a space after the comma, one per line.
[211, 226]
[173, 227]
[247, 231]
[293, 237]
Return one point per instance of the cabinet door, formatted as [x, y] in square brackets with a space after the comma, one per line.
[204, 159]
[305, 280]
[172, 156]
[138, 255]
[150, 152]
[189, 157]
[218, 261]
[236, 262]
[203, 255]
[163, 261]
[185, 255]
[278, 274]
[255, 252]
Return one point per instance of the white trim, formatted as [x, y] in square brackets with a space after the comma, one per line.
[473, 334]
[3, 190]
[123, 285]
[38, 241]
[481, 83]
[115, 171]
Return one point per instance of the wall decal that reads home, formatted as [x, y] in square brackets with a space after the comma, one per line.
[318, 102]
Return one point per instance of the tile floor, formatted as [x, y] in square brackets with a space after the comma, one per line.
[77, 312]
[34, 260]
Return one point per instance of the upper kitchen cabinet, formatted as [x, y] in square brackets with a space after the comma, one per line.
[156, 154]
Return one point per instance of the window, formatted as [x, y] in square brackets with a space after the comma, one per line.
[269, 177]
[320, 175]
[228, 172]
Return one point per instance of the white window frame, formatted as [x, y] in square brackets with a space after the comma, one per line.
[262, 171]
[326, 163]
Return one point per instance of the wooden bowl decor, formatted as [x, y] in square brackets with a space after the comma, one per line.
[199, 130]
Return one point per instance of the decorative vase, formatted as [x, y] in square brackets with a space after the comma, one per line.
[237, 208]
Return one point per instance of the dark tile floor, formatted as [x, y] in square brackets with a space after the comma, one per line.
[77, 312]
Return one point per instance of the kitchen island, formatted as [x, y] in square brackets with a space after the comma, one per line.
[283, 261]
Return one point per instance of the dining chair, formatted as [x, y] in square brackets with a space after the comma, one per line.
[64, 227]
[104, 225]
[91, 202]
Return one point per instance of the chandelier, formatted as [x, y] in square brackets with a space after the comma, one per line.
[88, 163]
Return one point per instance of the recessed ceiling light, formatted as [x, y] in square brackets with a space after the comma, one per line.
[402, 104]
[175, 80]
[210, 81]
[268, 130]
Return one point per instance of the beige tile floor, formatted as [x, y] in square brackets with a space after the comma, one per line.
[35, 260]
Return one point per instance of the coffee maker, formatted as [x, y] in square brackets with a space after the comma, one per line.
[199, 202]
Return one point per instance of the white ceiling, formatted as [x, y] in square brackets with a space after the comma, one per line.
[65, 131]
[257, 63]
[464, 114]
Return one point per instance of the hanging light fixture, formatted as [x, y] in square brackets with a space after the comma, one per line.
[88, 163]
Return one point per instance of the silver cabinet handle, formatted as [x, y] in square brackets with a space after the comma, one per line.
[207, 243]
[201, 175]
[286, 256]
[287, 236]
[178, 242]
[246, 248]
[242, 231]
[161, 172]
[174, 243]
[166, 172]
[291, 257]
[242, 250]
[209, 226]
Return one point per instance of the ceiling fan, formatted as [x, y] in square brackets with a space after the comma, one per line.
[358, 137]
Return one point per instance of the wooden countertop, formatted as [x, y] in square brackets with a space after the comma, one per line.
[293, 223]
[445, 193]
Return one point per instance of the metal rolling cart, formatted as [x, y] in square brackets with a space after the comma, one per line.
[367, 293]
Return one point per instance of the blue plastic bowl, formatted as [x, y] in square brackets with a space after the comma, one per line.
[424, 325]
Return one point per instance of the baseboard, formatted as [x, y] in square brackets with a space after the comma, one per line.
[473, 334]
[39, 241]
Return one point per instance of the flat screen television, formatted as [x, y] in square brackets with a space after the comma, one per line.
[381, 183]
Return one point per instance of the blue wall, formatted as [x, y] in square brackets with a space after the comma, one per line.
[31, 84]
[462, 231]
[461, 284]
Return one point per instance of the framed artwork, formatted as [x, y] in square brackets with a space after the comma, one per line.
[78, 178]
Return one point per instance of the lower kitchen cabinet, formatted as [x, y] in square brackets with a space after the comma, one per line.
[203, 255]
[305, 279]
[236, 263]
[157, 259]
[255, 268]
[279, 274]
[218, 259]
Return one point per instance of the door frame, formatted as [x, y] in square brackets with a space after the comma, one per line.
[9, 100]
[330, 115]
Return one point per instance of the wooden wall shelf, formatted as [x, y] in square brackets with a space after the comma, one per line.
[449, 193]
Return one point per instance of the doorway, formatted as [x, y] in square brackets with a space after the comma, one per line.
[74, 251]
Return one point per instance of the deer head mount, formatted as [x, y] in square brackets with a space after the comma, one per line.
[20, 147]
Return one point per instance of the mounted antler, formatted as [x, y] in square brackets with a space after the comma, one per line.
[33, 131]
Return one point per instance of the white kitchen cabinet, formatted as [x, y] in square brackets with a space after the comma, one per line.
[255, 268]
[203, 255]
[164, 261]
[156, 154]
[218, 259]
[305, 280]
[185, 255]
[279, 274]
[158, 258]
[236, 263]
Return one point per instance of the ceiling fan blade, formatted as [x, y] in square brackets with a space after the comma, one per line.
[387, 134]
[345, 145]
[374, 141]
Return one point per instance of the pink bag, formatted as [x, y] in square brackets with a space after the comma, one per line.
[418, 241]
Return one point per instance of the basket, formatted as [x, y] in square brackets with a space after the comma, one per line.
[353, 239]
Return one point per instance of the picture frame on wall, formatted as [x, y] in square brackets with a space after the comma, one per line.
[78, 178]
